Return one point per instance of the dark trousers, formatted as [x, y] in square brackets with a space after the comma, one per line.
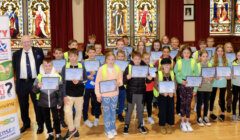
[121, 101]
[229, 93]
[148, 102]
[186, 99]
[221, 98]
[202, 98]
[178, 102]
[61, 114]
[47, 119]
[89, 93]
[166, 110]
[236, 98]
[24, 89]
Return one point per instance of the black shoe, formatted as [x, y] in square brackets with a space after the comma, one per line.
[213, 117]
[64, 125]
[59, 138]
[125, 130]
[40, 130]
[120, 118]
[221, 117]
[229, 109]
[70, 134]
[24, 128]
[142, 129]
[50, 137]
[76, 134]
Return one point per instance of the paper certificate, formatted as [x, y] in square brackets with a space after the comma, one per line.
[193, 49]
[139, 71]
[173, 53]
[101, 59]
[166, 87]
[210, 54]
[155, 55]
[129, 50]
[152, 71]
[231, 57]
[122, 64]
[213, 49]
[80, 56]
[91, 65]
[50, 83]
[236, 70]
[194, 81]
[73, 74]
[58, 64]
[208, 72]
[108, 86]
[223, 71]
[148, 49]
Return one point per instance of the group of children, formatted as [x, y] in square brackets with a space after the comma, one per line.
[74, 96]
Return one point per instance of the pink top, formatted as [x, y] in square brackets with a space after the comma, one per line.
[112, 74]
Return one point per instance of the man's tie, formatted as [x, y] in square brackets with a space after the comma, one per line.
[29, 71]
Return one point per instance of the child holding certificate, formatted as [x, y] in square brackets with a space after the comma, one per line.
[219, 59]
[204, 92]
[175, 43]
[120, 46]
[90, 93]
[149, 90]
[156, 46]
[108, 94]
[141, 48]
[236, 90]
[184, 67]
[136, 89]
[165, 100]
[73, 93]
[229, 49]
[122, 91]
[165, 54]
[58, 53]
[210, 42]
[202, 45]
[71, 44]
[49, 99]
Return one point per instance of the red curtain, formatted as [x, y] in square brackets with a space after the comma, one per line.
[61, 23]
[174, 18]
[94, 20]
[202, 14]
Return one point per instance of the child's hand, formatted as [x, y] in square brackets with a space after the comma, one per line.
[184, 82]
[99, 99]
[165, 94]
[129, 76]
[234, 77]
[171, 95]
[90, 77]
[66, 100]
[40, 85]
[194, 93]
[75, 82]
[218, 78]
[228, 77]
[149, 77]
[92, 73]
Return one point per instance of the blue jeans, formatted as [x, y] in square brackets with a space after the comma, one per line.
[109, 105]
[121, 101]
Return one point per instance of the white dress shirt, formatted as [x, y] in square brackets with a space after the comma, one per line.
[23, 66]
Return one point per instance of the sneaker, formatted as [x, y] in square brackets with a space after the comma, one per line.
[95, 123]
[163, 130]
[64, 125]
[221, 117]
[206, 121]
[234, 118]
[213, 117]
[189, 128]
[120, 118]
[183, 127]
[125, 130]
[88, 123]
[109, 135]
[142, 129]
[50, 137]
[59, 137]
[150, 120]
[169, 129]
[70, 134]
[200, 122]
[76, 134]
[114, 132]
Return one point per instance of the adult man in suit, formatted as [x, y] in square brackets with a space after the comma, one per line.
[26, 63]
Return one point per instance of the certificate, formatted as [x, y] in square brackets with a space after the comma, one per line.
[223, 71]
[210, 54]
[230, 57]
[213, 49]
[148, 49]
[166, 87]
[139, 71]
[173, 53]
[73, 74]
[193, 49]
[236, 70]
[194, 81]
[122, 64]
[49, 83]
[80, 56]
[108, 86]
[91, 65]
[101, 59]
[208, 72]
[152, 71]
[129, 49]
[155, 55]
[58, 64]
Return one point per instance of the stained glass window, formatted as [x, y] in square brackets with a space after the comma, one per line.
[237, 16]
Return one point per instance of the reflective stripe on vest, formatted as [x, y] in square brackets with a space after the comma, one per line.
[65, 55]
[179, 63]
[235, 63]
[196, 55]
[129, 69]
[104, 71]
[68, 65]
